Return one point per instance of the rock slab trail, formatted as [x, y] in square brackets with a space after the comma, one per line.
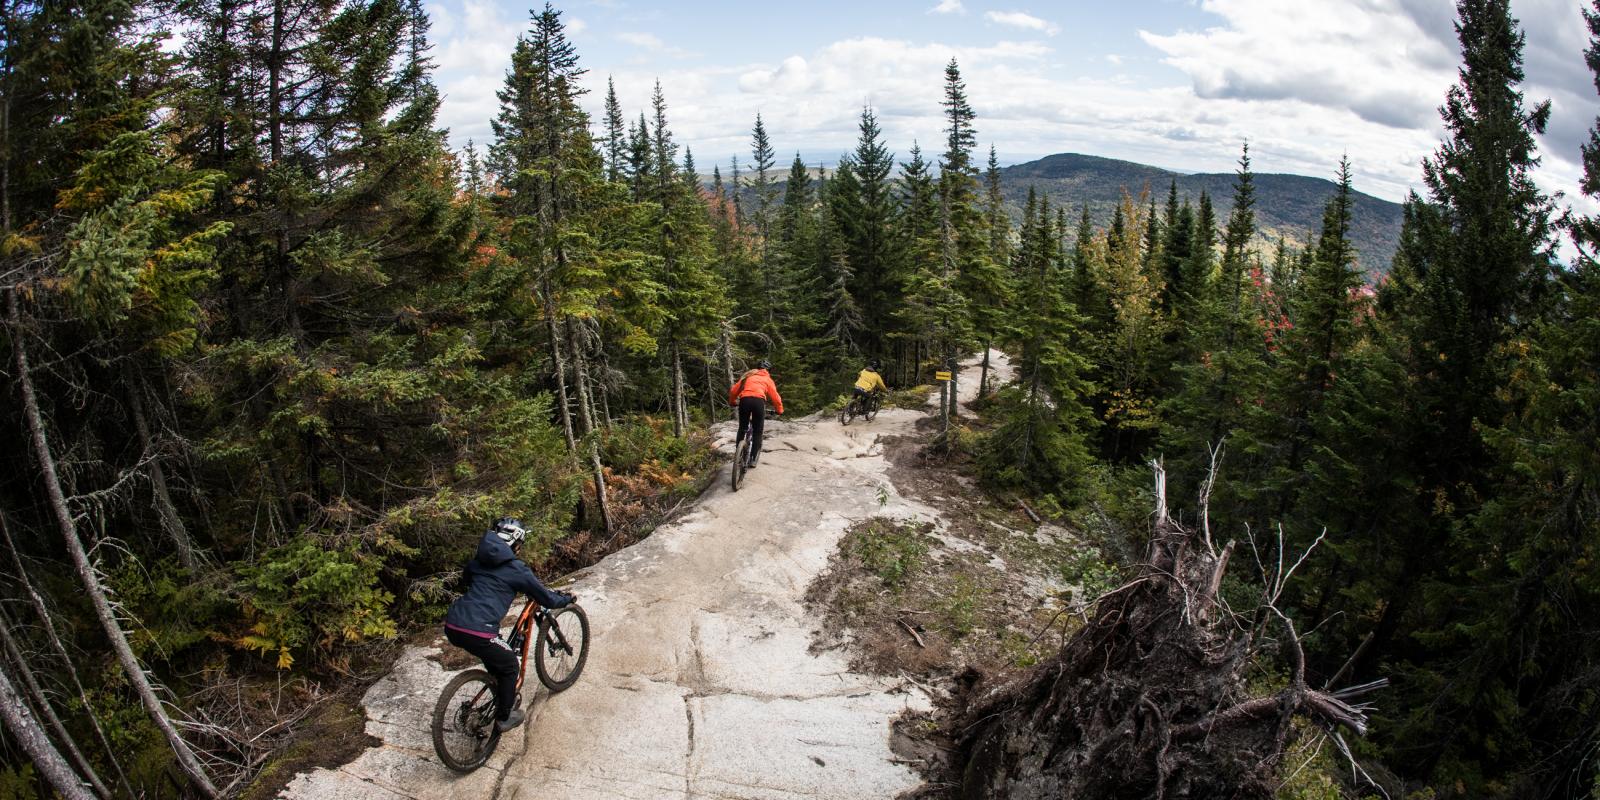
[700, 681]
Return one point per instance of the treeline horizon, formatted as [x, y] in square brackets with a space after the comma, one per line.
[276, 354]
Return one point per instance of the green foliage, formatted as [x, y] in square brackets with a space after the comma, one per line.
[962, 605]
[17, 782]
[149, 593]
[1091, 573]
[312, 595]
[890, 549]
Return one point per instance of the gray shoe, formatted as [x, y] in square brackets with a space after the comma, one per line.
[510, 722]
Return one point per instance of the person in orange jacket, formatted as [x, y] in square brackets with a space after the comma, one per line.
[751, 394]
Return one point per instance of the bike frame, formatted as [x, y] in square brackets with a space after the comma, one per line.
[525, 627]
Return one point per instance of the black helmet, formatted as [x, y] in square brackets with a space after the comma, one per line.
[763, 364]
[510, 530]
[874, 365]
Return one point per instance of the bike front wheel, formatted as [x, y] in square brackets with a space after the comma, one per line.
[872, 410]
[464, 733]
[739, 455]
[562, 647]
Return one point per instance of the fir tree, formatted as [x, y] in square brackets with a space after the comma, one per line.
[616, 135]
[1041, 441]
[862, 208]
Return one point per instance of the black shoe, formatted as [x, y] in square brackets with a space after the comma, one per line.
[754, 459]
[510, 722]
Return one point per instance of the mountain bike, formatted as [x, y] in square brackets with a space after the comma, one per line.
[864, 406]
[464, 733]
[742, 455]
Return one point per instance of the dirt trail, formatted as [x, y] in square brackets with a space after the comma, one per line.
[700, 683]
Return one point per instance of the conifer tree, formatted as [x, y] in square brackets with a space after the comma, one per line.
[1127, 380]
[861, 205]
[1228, 336]
[1041, 442]
[999, 256]
[919, 242]
[616, 141]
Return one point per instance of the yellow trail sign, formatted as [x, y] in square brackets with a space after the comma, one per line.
[941, 376]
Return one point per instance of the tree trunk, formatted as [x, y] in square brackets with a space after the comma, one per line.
[5, 130]
[580, 376]
[165, 510]
[41, 703]
[953, 363]
[86, 573]
[558, 365]
[67, 661]
[711, 390]
[983, 373]
[727, 366]
[677, 392]
[26, 732]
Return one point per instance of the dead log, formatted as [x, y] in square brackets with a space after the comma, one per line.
[1148, 699]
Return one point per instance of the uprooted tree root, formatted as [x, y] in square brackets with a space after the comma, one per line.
[1147, 699]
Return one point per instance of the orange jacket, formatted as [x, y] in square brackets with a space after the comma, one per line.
[756, 383]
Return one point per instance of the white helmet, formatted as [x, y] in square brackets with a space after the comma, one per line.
[510, 530]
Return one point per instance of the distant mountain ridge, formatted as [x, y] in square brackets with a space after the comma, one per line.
[1286, 205]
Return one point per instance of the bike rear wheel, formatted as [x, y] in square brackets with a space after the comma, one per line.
[464, 733]
[562, 647]
[741, 453]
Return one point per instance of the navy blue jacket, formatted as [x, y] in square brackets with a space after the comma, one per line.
[489, 582]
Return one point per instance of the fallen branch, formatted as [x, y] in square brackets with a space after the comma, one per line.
[914, 634]
[1031, 515]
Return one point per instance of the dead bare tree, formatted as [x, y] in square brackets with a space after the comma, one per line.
[67, 525]
[40, 702]
[66, 662]
[1148, 699]
[25, 730]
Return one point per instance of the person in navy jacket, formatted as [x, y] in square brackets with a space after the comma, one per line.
[489, 583]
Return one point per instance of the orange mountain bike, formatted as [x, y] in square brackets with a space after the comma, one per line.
[464, 733]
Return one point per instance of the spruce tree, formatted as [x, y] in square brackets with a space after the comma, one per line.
[616, 141]
[862, 207]
[1041, 442]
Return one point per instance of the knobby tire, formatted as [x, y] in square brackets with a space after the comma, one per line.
[740, 454]
[449, 710]
[563, 630]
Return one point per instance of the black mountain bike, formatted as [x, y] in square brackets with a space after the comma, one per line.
[464, 733]
[742, 455]
[863, 406]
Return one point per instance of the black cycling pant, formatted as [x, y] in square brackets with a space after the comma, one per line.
[500, 662]
[752, 415]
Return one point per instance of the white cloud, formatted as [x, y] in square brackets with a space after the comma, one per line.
[1114, 59]
[652, 44]
[948, 7]
[472, 50]
[1388, 63]
[1022, 19]
[576, 27]
[1303, 83]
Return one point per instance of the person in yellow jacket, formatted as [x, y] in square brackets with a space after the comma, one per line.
[870, 381]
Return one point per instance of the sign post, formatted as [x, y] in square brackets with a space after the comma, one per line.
[946, 400]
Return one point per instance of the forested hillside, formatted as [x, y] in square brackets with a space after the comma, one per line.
[1289, 205]
[275, 355]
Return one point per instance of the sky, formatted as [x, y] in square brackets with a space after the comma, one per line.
[1178, 84]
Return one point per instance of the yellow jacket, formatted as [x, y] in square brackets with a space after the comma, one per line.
[869, 381]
